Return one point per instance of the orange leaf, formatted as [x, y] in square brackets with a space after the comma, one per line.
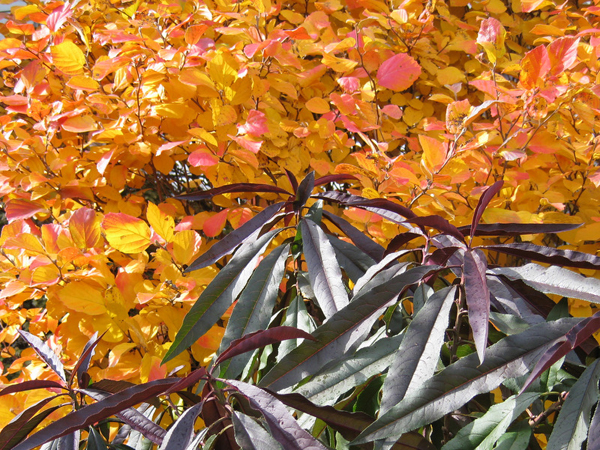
[21, 209]
[398, 72]
[535, 64]
[215, 224]
[85, 228]
[80, 124]
[126, 233]
[434, 151]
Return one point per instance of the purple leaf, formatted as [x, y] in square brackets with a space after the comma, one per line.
[283, 426]
[45, 353]
[323, 269]
[373, 249]
[83, 363]
[132, 417]
[236, 187]
[182, 431]
[441, 256]
[25, 422]
[399, 241]
[95, 412]
[29, 385]
[385, 208]
[261, 338]
[228, 244]
[573, 339]
[304, 191]
[293, 180]
[549, 255]
[517, 229]
[478, 297]
[334, 178]
[190, 380]
[484, 200]
[438, 223]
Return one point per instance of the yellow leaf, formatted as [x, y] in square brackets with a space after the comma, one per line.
[173, 110]
[185, 246]
[82, 297]
[126, 233]
[163, 224]
[83, 83]
[204, 135]
[338, 64]
[68, 58]
[318, 105]
[80, 124]
[450, 75]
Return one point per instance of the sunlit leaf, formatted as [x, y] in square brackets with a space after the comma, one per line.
[126, 233]
[398, 72]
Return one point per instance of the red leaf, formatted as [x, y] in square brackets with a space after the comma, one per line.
[489, 30]
[562, 54]
[21, 209]
[261, 338]
[535, 64]
[398, 72]
[203, 158]
[256, 124]
[214, 225]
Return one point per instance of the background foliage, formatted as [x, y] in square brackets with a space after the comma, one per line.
[112, 109]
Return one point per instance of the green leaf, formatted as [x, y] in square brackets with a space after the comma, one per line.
[254, 307]
[460, 382]
[572, 425]
[419, 352]
[517, 439]
[296, 316]
[250, 435]
[353, 260]
[323, 269]
[220, 293]
[483, 433]
[340, 335]
[95, 441]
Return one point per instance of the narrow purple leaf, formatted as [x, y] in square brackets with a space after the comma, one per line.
[478, 297]
[400, 240]
[25, 422]
[45, 353]
[371, 248]
[304, 191]
[282, 424]
[549, 255]
[385, 208]
[188, 381]
[293, 180]
[438, 223]
[29, 385]
[323, 269]
[518, 229]
[484, 200]
[95, 412]
[236, 187]
[335, 178]
[228, 244]
[261, 338]
[83, 363]
[133, 418]
[441, 256]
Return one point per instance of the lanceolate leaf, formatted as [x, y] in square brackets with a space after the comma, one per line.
[458, 383]
[304, 190]
[518, 229]
[554, 280]
[341, 332]
[517, 438]
[237, 187]
[293, 180]
[418, 355]
[371, 248]
[385, 208]
[353, 370]
[250, 435]
[400, 240]
[572, 425]
[594, 434]
[335, 178]
[388, 261]
[438, 223]
[228, 244]
[132, 417]
[29, 385]
[259, 339]
[323, 269]
[180, 434]
[485, 431]
[255, 305]
[45, 353]
[478, 297]
[219, 294]
[83, 363]
[484, 200]
[353, 260]
[283, 426]
[568, 258]
[20, 426]
[91, 414]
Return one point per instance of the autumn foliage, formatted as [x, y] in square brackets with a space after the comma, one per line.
[112, 111]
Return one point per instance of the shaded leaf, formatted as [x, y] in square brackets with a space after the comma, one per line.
[323, 269]
[293, 180]
[418, 355]
[83, 363]
[554, 280]
[261, 338]
[371, 248]
[484, 200]
[385, 208]
[350, 258]
[250, 435]
[95, 412]
[478, 297]
[438, 223]
[489, 428]
[387, 261]
[304, 191]
[283, 426]
[568, 258]
[572, 425]
[228, 244]
[342, 332]
[236, 187]
[255, 305]
[460, 382]
[334, 178]
[400, 240]
[29, 385]
[94, 441]
[181, 432]
[46, 353]
[296, 316]
[516, 439]
[220, 293]
[517, 229]
[594, 434]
